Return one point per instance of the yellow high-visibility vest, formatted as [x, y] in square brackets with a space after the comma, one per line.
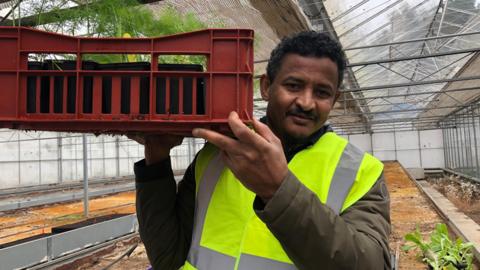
[227, 233]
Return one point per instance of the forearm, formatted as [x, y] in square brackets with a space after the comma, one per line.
[312, 235]
[165, 217]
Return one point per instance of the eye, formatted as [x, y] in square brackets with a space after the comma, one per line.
[323, 93]
[293, 86]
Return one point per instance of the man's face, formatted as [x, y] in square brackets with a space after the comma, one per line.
[301, 96]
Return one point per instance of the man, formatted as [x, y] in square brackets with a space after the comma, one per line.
[289, 194]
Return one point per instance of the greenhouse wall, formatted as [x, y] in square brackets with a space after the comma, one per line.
[413, 149]
[462, 141]
[38, 158]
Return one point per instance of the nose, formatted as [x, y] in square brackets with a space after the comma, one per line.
[305, 100]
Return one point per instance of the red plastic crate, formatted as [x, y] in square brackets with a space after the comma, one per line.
[159, 99]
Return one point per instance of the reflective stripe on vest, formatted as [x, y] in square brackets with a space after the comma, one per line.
[250, 262]
[344, 177]
[201, 257]
[350, 165]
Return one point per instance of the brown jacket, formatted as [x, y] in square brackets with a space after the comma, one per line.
[310, 233]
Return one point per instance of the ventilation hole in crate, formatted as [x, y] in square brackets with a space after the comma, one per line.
[87, 94]
[125, 95]
[174, 93]
[45, 94]
[161, 95]
[107, 94]
[32, 86]
[144, 95]
[201, 96]
[187, 95]
[31, 94]
[58, 94]
[71, 94]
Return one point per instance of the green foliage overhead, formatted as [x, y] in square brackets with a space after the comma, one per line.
[117, 18]
[114, 18]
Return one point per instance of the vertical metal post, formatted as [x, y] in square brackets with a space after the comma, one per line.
[19, 159]
[457, 144]
[395, 144]
[454, 146]
[477, 119]
[103, 157]
[117, 155]
[460, 144]
[60, 158]
[452, 149]
[39, 161]
[468, 146]
[444, 146]
[477, 170]
[447, 146]
[85, 175]
[419, 148]
[464, 145]
[451, 145]
[128, 151]
[75, 144]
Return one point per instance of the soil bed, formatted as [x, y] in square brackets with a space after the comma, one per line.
[408, 208]
[462, 193]
[23, 223]
[99, 261]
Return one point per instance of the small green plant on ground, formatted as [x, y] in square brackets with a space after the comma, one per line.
[441, 252]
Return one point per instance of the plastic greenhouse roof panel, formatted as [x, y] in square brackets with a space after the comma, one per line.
[369, 22]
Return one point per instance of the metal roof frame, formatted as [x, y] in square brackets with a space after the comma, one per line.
[385, 99]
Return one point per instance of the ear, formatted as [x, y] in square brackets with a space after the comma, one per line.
[265, 87]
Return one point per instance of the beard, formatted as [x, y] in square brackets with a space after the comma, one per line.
[288, 139]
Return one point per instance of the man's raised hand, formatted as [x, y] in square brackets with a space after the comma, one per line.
[256, 158]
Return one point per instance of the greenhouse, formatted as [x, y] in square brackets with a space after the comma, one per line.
[104, 103]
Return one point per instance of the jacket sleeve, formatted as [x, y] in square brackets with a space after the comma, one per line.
[313, 235]
[165, 216]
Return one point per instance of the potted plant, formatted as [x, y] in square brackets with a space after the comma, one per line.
[441, 252]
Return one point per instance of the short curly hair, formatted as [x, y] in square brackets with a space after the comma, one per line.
[307, 44]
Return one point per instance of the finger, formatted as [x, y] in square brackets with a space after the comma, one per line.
[221, 141]
[242, 132]
[264, 131]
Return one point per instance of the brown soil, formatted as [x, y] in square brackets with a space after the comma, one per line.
[463, 194]
[100, 260]
[137, 260]
[20, 224]
[409, 208]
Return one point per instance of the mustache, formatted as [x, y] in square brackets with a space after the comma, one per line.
[297, 111]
